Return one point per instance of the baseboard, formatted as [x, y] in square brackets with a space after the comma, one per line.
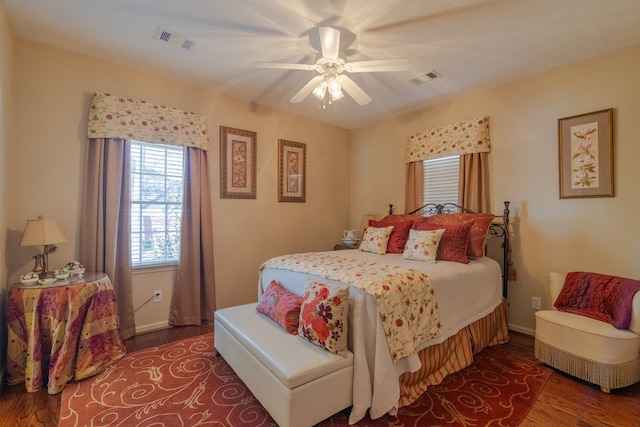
[522, 330]
[152, 327]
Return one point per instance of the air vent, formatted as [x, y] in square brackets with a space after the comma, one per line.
[173, 38]
[426, 77]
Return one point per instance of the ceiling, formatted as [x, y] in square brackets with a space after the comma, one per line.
[470, 43]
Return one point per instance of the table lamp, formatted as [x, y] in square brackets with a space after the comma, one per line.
[45, 232]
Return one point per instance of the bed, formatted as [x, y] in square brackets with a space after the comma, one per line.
[470, 311]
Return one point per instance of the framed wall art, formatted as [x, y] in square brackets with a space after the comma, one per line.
[237, 163]
[292, 171]
[585, 145]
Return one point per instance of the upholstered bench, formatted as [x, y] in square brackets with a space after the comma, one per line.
[587, 348]
[298, 383]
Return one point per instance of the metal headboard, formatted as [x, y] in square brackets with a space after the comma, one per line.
[499, 230]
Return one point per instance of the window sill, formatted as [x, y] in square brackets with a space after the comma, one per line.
[155, 268]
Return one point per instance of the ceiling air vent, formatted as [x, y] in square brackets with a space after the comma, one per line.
[173, 38]
[426, 77]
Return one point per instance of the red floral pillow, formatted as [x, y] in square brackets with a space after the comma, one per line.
[323, 316]
[454, 241]
[281, 306]
[477, 234]
[399, 234]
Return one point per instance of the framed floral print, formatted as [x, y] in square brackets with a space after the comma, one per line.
[586, 155]
[292, 170]
[237, 163]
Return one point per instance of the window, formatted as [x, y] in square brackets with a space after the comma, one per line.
[156, 203]
[441, 180]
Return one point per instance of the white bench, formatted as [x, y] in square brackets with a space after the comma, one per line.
[298, 383]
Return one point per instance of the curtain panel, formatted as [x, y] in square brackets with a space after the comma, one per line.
[112, 116]
[465, 137]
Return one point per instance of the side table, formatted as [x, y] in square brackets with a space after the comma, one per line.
[341, 246]
[60, 332]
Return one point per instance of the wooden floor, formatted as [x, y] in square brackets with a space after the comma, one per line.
[564, 401]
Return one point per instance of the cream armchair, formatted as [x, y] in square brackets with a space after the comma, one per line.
[586, 348]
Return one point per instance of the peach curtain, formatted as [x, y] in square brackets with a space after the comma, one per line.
[105, 221]
[194, 292]
[473, 181]
[414, 188]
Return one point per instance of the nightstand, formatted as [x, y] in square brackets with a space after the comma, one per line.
[340, 246]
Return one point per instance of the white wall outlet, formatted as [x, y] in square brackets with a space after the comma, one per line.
[536, 303]
[157, 295]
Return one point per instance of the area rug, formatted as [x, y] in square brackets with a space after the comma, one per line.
[185, 384]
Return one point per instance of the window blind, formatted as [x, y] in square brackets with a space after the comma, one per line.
[441, 180]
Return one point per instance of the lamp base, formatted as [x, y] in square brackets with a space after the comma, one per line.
[47, 275]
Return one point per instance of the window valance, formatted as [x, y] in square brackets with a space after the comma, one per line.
[466, 137]
[112, 116]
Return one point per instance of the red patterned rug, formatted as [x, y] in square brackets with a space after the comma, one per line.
[184, 384]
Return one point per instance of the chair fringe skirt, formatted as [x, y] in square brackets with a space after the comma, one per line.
[605, 375]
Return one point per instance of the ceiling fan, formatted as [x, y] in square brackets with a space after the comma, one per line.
[330, 68]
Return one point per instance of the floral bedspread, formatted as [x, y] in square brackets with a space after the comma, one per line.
[406, 301]
[61, 333]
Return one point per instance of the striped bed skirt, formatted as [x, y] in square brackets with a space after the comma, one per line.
[454, 354]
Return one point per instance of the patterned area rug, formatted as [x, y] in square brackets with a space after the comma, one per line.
[184, 384]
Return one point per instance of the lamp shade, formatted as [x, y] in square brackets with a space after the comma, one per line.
[41, 231]
[364, 222]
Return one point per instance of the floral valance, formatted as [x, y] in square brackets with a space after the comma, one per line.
[466, 137]
[112, 116]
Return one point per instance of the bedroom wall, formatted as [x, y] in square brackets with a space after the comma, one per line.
[52, 90]
[6, 66]
[594, 234]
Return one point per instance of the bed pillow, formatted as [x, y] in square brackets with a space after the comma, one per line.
[477, 234]
[375, 239]
[423, 245]
[281, 306]
[323, 316]
[454, 242]
[399, 234]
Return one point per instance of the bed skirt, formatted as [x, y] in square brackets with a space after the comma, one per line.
[454, 354]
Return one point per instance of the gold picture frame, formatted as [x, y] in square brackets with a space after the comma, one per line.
[238, 149]
[292, 171]
[585, 147]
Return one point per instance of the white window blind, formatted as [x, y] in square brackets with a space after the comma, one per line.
[156, 203]
[441, 180]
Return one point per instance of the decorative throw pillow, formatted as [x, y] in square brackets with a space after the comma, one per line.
[477, 234]
[454, 241]
[281, 306]
[423, 245]
[375, 239]
[399, 234]
[323, 316]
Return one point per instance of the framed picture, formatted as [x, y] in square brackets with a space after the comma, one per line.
[237, 163]
[586, 155]
[292, 171]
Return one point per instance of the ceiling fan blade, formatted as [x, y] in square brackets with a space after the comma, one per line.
[398, 64]
[306, 89]
[284, 66]
[330, 42]
[353, 90]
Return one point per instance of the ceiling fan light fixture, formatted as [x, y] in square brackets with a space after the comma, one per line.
[336, 95]
[320, 90]
[333, 85]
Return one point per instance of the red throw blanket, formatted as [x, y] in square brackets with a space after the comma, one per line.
[599, 296]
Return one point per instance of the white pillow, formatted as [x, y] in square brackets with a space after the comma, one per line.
[375, 239]
[422, 245]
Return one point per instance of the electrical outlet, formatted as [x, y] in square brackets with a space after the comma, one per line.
[157, 295]
[536, 303]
